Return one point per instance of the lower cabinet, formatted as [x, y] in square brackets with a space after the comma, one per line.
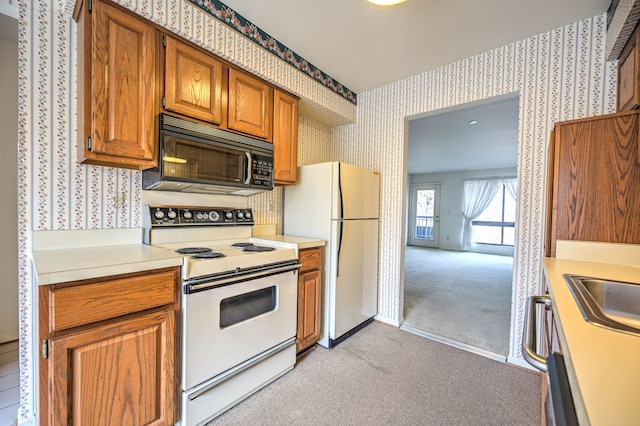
[110, 371]
[309, 298]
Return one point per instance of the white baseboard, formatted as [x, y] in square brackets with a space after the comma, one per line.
[386, 321]
[521, 363]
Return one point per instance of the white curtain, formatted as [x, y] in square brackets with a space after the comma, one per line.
[477, 197]
[512, 187]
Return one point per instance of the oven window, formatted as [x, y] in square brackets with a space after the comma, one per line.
[236, 309]
[183, 158]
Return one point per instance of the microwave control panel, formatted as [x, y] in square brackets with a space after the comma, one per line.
[262, 171]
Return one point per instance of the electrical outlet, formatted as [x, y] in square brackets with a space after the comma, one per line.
[117, 201]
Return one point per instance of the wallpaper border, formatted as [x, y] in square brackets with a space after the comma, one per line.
[234, 20]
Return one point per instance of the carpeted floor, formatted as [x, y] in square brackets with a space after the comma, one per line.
[385, 376]
[462, 296]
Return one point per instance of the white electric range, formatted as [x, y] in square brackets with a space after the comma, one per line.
[238, 307]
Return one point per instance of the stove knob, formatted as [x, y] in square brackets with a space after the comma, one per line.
[159, 214]
[187, 215]
[171, 214]
[240, 215]
[247, 215]
[214, 216]
[229, 215]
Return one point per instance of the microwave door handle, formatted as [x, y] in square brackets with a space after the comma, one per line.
[247, 169]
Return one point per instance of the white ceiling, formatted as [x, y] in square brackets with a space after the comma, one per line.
[446, 142]
[364, 47]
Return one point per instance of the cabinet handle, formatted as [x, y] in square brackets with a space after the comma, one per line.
[45, 349]
[530, 332]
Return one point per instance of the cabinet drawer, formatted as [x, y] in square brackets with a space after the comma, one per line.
[87, 303]
[310, 259]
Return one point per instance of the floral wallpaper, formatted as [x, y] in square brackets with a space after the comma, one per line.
[558, 75]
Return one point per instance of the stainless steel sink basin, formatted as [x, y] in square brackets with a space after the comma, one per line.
[605, 303]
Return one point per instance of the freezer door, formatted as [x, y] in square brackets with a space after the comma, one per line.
[358, 193]
[353, 280]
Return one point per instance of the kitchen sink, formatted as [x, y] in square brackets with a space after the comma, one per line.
[605, 303]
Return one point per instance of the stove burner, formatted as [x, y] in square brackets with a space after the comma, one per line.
[258, 249]
[207, 255]
[193, 250]
[242, 244]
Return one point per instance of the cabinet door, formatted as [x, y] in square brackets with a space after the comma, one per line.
[309, 293]
[193, 82]
[629, 74]
[250, 105]
[596, 192]
[117, 374]
[285, 137]
[118, 93]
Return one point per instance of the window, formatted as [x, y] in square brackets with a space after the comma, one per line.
[496, 224]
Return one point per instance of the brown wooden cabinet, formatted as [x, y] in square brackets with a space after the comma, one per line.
[117, 71]
[629, 74]
[193, 82]
[250, 105]
[596, 180]
[285, 137]
[110, 350]
[309, 298]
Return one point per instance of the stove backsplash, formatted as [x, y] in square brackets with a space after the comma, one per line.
[267, 207]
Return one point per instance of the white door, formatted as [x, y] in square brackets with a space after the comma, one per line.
[424, 221]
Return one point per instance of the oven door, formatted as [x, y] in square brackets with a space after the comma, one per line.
[228, 321]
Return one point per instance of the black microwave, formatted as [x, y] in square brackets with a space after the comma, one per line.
[199, 158]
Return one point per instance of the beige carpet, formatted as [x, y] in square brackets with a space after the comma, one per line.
[385, 376]
[462, 296]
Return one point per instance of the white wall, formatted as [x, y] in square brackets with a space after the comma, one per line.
[9, 179]
[452, 205]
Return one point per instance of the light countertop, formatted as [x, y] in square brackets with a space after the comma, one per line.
[603, 365]
[301, 242]
[63, 265]
[63, 256]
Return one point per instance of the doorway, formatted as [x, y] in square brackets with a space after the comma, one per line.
[454, 293]
[424, 211]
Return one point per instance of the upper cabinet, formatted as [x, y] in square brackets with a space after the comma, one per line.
[116, 116]
[285, 137]
[595, 180]
[127, 77]
[629, 74]
[193, 82]
[250, 105]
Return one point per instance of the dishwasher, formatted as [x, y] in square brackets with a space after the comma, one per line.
[558, 405]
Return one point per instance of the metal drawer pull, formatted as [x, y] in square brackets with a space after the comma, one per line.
[530, 333]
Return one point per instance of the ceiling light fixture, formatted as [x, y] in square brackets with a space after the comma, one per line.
[472, 122]
[386, 2]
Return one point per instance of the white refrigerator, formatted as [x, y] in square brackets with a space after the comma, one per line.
[340, 203]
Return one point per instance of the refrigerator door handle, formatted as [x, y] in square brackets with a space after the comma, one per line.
[340, 200]
[339, 248]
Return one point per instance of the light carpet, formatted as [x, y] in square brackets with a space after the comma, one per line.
[385, 376]
[462, 296]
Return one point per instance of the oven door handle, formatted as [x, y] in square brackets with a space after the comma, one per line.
[208, 284]
[530, 333]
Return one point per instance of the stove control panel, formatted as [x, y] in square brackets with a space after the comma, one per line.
[193, 216]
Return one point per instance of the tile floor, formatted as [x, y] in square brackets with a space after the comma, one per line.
[9, 383]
